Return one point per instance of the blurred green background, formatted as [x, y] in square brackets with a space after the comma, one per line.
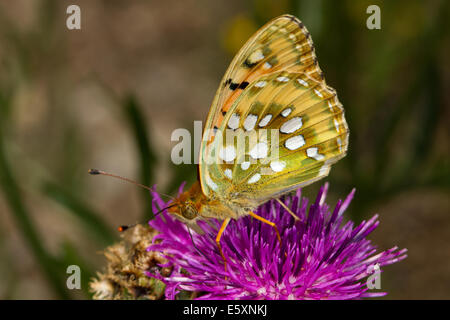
[110, 95]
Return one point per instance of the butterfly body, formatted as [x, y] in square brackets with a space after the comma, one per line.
[193, 204]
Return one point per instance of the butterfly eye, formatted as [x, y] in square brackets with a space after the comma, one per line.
[189, 211]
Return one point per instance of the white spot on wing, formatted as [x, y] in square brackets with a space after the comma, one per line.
[250, 122]
[313, 153]
[302, 82]
[259, 151]
[245, 165]
[336, 125]
[318, 93]
[261, 84]
[330, 106]
[339, 142]
[267, 65]
[254, 178]
[256, 56]
[233, 123]
[324, 170]
[277, 166]
[211, 183]
[295, 142]
[283, 79]
[286, 112]
[228, 173]
[228, 153]
[291, 125]
[264, 121]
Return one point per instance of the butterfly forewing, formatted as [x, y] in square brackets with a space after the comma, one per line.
[280, 131]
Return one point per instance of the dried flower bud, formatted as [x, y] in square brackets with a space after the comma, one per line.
[128, 261]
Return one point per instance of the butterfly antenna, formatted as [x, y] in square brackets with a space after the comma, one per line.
[125, 227]
[104, 173]
[171, 206]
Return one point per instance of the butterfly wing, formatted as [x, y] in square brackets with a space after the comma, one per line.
[274, 99]
[282, 44]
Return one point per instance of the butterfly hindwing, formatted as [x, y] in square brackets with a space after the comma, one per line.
[283, 131]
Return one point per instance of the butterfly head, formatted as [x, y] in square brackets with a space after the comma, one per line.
[187, 205]
[188, 210]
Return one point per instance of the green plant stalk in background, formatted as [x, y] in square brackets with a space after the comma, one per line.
[147, 157]
[20, 213]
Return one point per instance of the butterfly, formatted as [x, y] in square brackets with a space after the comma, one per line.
[274, 126]
[274, 84]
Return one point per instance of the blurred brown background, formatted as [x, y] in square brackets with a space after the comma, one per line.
[110, 95]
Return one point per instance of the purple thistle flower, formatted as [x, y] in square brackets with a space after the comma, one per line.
[319, 257]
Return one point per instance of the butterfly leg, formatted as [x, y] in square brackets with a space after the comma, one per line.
[254, 215]
[287, 209]
[219, 235]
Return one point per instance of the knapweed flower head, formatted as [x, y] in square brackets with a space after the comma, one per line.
[124, 277]
[320, 256]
